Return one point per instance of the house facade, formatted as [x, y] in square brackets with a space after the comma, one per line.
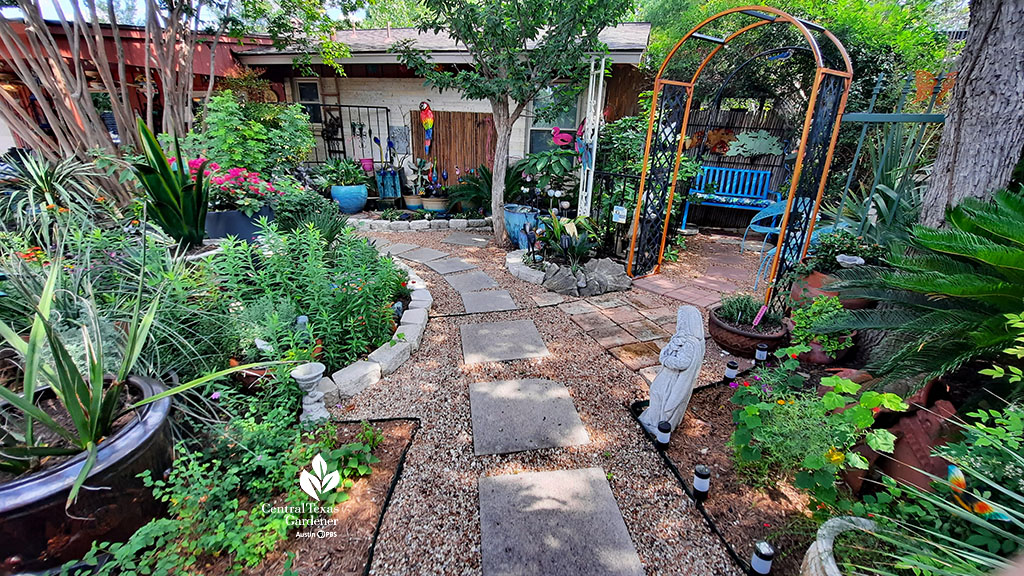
[377, 101]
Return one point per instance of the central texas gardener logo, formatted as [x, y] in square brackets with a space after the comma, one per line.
[319, 483]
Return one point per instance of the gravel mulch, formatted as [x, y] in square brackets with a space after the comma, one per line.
[432, 525]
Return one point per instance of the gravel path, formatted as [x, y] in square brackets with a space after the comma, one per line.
[433, 523]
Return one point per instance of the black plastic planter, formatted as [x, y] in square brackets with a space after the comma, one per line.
[35, 531]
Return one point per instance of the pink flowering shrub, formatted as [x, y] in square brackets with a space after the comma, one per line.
[234, 188]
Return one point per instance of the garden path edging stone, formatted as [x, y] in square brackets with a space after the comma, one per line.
[416, 226]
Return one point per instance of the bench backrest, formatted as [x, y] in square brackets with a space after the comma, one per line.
[734, 182]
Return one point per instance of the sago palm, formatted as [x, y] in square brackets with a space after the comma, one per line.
[945, 296]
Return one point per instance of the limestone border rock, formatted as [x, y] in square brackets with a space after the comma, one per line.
[367, 224]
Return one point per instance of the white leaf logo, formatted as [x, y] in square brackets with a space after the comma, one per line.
[322, 481]
[310, 485]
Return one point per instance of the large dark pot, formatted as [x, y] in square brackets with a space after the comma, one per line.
[741, 342]
[35, 532]
[224, 223]
[809, 287]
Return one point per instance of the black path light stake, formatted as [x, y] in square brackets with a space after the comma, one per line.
[732, 369]
[701, 483]
[664, 435]
[761, 560]
[761, 354]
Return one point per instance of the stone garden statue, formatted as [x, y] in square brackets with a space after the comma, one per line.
[681, 360]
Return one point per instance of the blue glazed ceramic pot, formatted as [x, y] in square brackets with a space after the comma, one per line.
[351, 199]
[515, 216]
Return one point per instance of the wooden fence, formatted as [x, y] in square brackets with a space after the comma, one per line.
[463, 139]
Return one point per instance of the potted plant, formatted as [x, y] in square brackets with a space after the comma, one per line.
[731, 326]
[832, 251]
[76, 424]
[824, 348]
[419, 172]
[347, 182]
[238, 198]
[435, 197]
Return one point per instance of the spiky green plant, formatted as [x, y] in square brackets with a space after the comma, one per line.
[475, 190]
[173, 200]
[945, 296]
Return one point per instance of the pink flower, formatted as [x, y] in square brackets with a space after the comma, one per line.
[734, 384]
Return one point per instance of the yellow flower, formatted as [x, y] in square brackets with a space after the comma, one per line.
[780, 401]
[835, 456]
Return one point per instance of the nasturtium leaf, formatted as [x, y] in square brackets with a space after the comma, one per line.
[831, 400]
[859, 416]
[813, 461]
[855, 460]
[881, 440]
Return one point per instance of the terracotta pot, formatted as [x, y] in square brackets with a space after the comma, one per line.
[435, 204]
[806, 289]
[35, 531]
[817, 354]
[251, 378]
[741, 342]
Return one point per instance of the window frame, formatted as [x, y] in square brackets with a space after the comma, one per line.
[532, 127]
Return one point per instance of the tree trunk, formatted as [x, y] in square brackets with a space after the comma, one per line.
[983, 136]
[503, 127]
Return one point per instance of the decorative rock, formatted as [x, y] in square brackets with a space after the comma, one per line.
[411, 333]
[398, 225]
[350, 380]
[419, 225]
[608, 274]
[416, 316]
[476, 223]
[381, 225]
[681, 360]
[438, 224]
[458, 223]
[391, 355]
[560, 279]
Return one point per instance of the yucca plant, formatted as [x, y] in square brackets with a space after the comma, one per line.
[91, 398]
[945, 296]
[174, 201]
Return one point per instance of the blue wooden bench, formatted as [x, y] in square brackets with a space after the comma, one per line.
[732, 188]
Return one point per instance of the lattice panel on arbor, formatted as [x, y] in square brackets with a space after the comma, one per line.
[655, 203]
[803, 198]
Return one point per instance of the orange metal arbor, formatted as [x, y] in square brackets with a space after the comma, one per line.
[674, 93]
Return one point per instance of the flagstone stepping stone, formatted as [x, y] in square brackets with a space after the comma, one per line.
[606, 302]
[449, 265]
[519, 415]
[611, 337]
[592, 321]
[623, 314]
[637, 355]
[563, 522]
[578, 307]
[466, 239]
[423, 255]
[471, 281]
[499, 341]
[398, 248]
[491, 301]
[645, 330]
[728, 273]
[546, 299]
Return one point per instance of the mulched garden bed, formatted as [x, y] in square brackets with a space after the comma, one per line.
[350, 551]
[743, 513]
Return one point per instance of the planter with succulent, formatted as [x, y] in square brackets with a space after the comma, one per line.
[732, 326]
[75, 439]
[347, 182]
[824, 348]
[833, 251]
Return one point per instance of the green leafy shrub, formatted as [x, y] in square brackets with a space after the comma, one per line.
[297, 204]
[832, 244]
[823, 311]
[260, 137]
[741, 309]
[341, 172]
[474, 192]
[571, 239]
[554, 168]
[344, 287]
[945, 299]
[774, 410]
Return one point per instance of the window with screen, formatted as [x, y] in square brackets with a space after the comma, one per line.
[540, 130]
[309, 96]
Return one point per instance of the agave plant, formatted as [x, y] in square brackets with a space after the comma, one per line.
[91, 398]
[947, 296]
[174, 201]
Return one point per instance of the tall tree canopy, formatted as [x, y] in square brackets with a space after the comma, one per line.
[518, 47]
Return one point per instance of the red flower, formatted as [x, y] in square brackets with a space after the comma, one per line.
[793, 356]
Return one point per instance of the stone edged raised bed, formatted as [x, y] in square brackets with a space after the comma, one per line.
[388, 357]
[741, 342]
[418, 225]
[33, 525]
[596, 277]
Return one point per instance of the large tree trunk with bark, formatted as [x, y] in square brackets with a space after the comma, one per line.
[503, 127]
[983, 136]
